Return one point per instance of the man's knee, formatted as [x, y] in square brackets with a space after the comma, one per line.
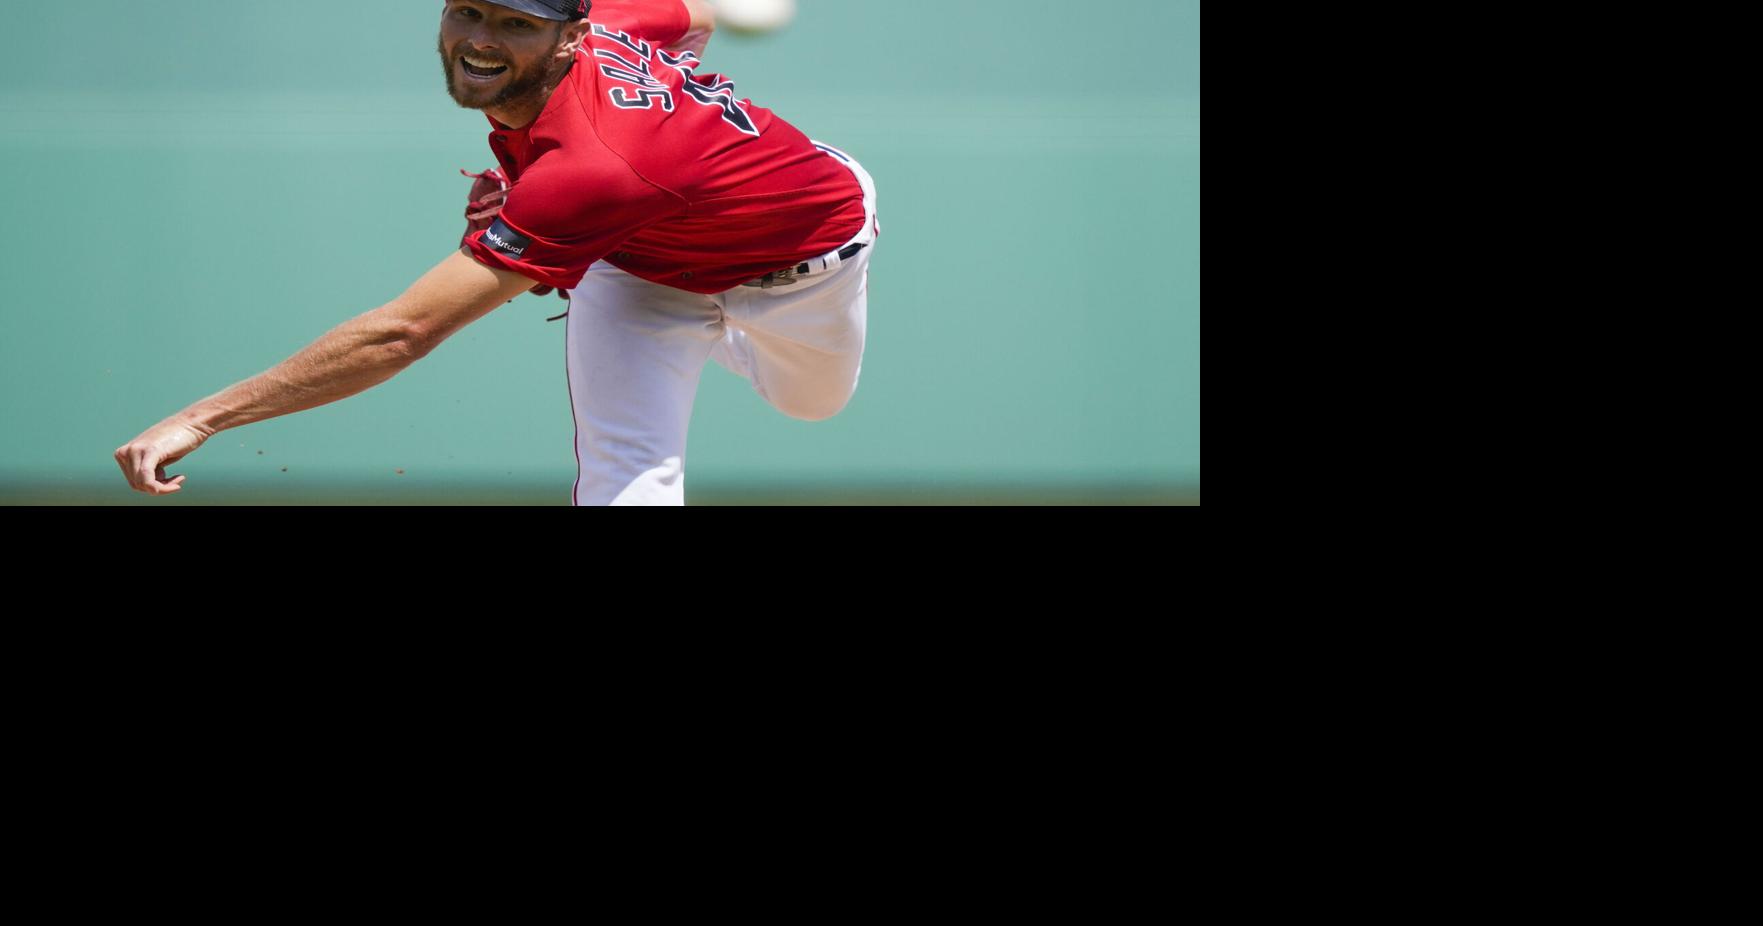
[816, 407]
[822, 404]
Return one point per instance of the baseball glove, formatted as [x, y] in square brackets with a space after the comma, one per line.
[488, 194]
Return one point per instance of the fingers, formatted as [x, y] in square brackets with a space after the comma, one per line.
[167, 485]
[145, 473]
[152, 479]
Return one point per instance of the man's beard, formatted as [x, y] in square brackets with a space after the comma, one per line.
[519, 88]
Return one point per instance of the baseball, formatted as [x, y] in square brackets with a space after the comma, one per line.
[754, 17]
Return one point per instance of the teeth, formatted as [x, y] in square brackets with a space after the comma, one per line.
[482, 63]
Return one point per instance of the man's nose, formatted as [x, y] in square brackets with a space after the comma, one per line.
[480, 39]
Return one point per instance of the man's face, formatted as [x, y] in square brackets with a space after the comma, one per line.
[524, 47]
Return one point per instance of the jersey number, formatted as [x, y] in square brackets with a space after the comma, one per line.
[636, 70]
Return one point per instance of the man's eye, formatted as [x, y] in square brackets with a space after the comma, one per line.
[521, 23]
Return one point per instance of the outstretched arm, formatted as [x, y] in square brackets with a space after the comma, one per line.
[703, 26]
[353, 357]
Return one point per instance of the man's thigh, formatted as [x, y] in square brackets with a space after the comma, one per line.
[635, 350]
[801, 345]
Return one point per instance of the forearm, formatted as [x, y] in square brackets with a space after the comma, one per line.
[353, 357]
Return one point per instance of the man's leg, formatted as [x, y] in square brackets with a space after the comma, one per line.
[636, 350]
[801, 346]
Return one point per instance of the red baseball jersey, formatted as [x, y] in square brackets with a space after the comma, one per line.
[639, 161]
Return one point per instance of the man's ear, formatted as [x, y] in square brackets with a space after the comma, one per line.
[574, 34]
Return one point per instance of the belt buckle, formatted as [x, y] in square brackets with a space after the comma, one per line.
[784, 277]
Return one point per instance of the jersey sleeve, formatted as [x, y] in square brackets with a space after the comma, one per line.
[556, 224]
[663, 22]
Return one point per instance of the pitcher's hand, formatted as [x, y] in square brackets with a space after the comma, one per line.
[144, 459]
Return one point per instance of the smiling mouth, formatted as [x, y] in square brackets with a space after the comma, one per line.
[482, 73]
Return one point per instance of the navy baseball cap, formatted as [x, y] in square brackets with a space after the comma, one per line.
[557, 10]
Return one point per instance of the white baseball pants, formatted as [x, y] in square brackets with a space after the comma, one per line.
[637, 349]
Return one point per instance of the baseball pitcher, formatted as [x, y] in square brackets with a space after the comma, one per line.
[681, 223]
